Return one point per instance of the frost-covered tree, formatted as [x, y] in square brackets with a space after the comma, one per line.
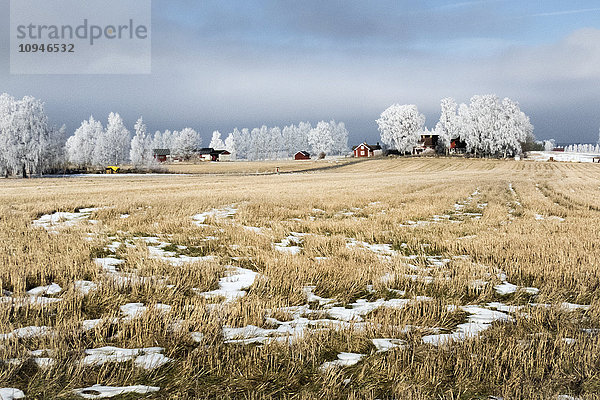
[340, 137]
[549, 145]
[231, 143]
[185, 143]
[260, 143]
[490, 126]
[401, 126]
[141, 146]
[515, 127]
[216, 142]
[276, 149]
[301, 141]
[24, 134]
[322, 138]
[81, 146]
[112, 147]
[447, 127]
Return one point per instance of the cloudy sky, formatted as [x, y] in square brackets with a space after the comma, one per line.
[221, 64]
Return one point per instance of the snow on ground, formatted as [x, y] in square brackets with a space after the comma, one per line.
[27, 332]
[232, 286]
[383, 250]
[215, 213]
[505, 288]
[11, 393]
[290, 244]
[362, 307]
[343, 360]
[383, 345]
[109, 264]
[539, 217]
[147, 358]
[41, 290]
[132, 311]
[561, 156]
[85, 287]
[177, 260]
[51, 222]
[25, 301]
[313, 298]
[479, 320]
[103, 392]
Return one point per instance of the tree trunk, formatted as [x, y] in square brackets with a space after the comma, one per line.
[24, 171]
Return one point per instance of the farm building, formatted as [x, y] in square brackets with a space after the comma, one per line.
[427, 144]
[367, 150]
[161, 155]
[302, 155]
[458, 146]
[210, 154]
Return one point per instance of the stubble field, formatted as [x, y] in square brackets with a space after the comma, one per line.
[384, 279]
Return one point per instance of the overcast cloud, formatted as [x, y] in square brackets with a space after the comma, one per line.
[244, 63]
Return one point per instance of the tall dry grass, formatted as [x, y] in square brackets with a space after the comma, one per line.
[372, 201]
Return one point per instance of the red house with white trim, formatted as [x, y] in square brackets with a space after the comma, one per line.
[367, 150]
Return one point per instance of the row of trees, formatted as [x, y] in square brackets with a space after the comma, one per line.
[583, 148]
[274, 143]
[92, 145]
[28, 144]
[488, 126]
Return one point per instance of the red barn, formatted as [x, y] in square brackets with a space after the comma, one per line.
[302, 155]
[161, 155]
[367, 150]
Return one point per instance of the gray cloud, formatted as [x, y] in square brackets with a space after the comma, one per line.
[216, 70]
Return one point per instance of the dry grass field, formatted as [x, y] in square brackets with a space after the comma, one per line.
[263, 167]
[385, 279]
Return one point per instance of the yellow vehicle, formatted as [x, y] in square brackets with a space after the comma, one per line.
[111, 169]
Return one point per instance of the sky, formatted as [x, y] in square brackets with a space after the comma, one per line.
[219, 64]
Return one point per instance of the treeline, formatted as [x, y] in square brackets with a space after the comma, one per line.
[488, 126]
[28, 143]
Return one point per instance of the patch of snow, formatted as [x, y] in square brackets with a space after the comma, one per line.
[362, 307]
[62, 219]
[85, 287]
[574, 307]
[41, 290]
[27, 332]
[44, 362]
[114, 246]
[343, 360]
[103, 392]
[136, 310]
[10, 394]
[109, 264]
[383, 345]
[215, 213]
[197, 336]
[290, 244]
[531, 290]
[312, 298]
[123, 216]
[479, 320]
[505, 288]
[147, 358]
[232, 286]
[151, 361]
[25, 301]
